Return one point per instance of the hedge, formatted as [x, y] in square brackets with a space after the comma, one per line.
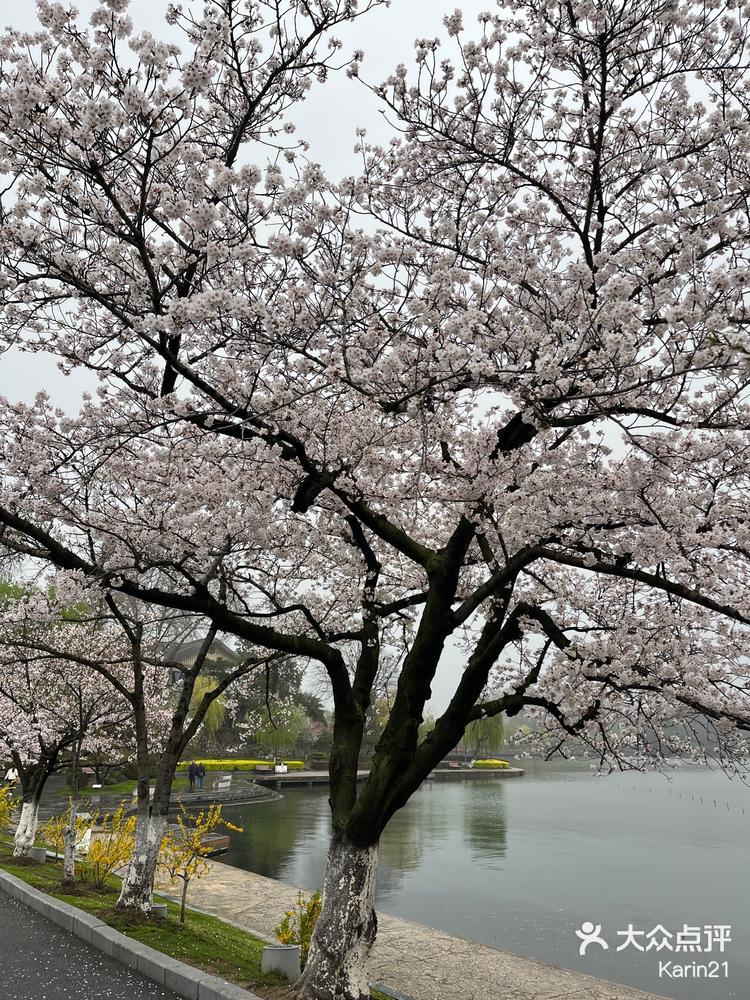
[240, 765]
[491, 764]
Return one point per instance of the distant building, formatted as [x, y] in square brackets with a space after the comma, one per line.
[220, 656]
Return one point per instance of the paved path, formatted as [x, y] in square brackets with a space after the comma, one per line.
[39, 961]
[271, 780]
[243, 791]
[424, 963]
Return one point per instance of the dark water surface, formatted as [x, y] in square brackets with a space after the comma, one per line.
[520, 864]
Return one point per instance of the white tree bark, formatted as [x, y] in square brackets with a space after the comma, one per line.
[69, 847]
[337, 965]
[138, 884]
[26, 830]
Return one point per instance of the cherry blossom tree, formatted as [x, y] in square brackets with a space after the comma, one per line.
[181, 719]
[481, 395]
[53, 712]
[119, 645]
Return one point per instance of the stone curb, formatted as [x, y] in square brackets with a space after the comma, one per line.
[189, 983]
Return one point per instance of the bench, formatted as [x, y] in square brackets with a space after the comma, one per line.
[150, 792]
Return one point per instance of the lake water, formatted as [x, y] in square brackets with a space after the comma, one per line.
[520, 864]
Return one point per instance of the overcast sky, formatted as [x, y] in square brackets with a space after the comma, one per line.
[328, 120]
[331, 114]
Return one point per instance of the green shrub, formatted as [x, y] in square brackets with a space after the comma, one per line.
[239, 765]
[491, 764]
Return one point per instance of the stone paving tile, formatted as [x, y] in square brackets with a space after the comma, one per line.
[422, 962]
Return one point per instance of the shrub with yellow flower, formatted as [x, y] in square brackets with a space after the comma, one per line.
[184, 847]
[112, 847]
[6, 806]
[52, 833]
[299, 923]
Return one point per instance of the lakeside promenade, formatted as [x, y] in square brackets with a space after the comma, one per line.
[422, 962]
[269, 779]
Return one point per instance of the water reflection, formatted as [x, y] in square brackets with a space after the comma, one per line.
[278, 832]
[407, 841]
[484, 822]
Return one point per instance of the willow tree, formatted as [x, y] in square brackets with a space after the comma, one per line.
[502, 416]
[485, 735]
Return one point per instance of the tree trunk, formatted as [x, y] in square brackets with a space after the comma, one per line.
[337, 965]
[183, 898]
[137, 888]
[138, 884]
[69, 846]
[69, 834]
[27, 825]
[151, 822]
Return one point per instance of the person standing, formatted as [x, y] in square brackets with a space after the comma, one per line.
[11, 776]
[200, 773]
[191, 775]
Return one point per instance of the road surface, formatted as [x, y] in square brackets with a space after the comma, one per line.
[40, 961]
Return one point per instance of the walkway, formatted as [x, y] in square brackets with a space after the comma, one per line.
[272, 780]
[424, 963]
[39, 961]
[242, 791]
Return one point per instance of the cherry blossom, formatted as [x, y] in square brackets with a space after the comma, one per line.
[484, 394]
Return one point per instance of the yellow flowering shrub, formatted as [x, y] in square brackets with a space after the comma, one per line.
[6, 807]
[491, 764]
[299, 923]
[184, 850]
[52, 833]
[112, 847]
